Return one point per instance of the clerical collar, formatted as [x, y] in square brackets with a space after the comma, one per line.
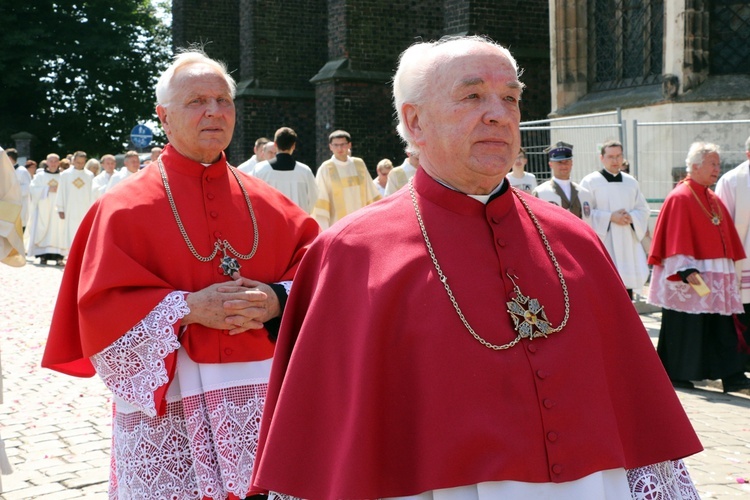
[482, 198]
[610, 177]
[283, 162]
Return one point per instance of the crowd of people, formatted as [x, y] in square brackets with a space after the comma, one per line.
[451, 363]
[56, 194]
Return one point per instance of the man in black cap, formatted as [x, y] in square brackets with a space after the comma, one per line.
[560, 190]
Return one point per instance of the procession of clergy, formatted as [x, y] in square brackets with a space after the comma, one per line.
[56, 198]
[515, 316]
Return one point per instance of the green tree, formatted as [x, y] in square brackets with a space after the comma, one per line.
[79, 74]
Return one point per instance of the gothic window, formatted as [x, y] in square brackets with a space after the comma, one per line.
[729, 37]
[626, 40]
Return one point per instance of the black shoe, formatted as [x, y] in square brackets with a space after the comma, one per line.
[736, 385]
[682, 384]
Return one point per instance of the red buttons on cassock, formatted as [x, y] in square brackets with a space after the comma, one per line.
[557, 468]
[501, 242]
[548, 403]
[541, 374]
[552, 436]
[217, 234]
[495, 220]
[210, 196]
[531, 347]
[214, 214]
[228, 351]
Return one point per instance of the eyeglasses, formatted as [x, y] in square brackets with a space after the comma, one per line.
[339, 144]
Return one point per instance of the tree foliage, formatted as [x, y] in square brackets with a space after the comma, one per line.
[79, 74]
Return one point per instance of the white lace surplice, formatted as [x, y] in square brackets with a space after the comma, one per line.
[719, 275]
[663, 481]
[205, 444]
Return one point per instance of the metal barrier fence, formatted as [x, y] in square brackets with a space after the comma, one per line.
[661, 149]
[584, 132]
[656, 153]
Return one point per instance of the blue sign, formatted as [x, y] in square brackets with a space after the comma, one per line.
[141, 136]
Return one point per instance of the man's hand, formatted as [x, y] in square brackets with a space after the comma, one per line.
[258, 303]
[621, 217]
[693, 278]
[237, 306]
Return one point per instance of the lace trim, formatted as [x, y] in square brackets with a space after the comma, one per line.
[133, 366]
[203, 447]
[719, 275]
[287, 286]
[663, 481]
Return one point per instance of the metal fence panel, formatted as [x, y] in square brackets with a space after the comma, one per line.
[661, 149]
[585, 132]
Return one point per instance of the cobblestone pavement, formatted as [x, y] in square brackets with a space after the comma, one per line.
[57, 429]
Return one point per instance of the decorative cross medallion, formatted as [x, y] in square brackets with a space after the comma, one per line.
[79, 183]
[526, 318]
[229, 265]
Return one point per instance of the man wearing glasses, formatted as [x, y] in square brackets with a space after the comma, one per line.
[344, 184]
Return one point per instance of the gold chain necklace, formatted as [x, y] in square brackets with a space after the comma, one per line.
[715, 218]
[228, 264]
[529, 318]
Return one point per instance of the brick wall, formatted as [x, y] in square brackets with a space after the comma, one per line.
[275, 49]
[214, 23]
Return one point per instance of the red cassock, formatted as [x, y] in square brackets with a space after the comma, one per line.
[377, 388]
[129, 254]
[683, 228]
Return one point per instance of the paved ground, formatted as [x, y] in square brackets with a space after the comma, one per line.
[57, 428]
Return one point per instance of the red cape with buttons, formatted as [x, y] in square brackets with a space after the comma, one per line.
[129, 254]
[378, 389]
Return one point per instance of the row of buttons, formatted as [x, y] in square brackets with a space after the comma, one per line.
[548, 404]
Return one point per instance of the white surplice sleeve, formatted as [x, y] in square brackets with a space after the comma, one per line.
[133, 366]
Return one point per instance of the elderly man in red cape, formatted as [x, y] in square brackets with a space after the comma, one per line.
[174, 284]
[490, 351]
[693, 253]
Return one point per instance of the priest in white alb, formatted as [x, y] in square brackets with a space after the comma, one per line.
[131, 167]
[99, 185]
[733, 189]
[46, 229]
[74, 196]
[619, 215]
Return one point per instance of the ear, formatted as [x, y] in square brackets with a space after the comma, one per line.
[412, 123]
[161, 112]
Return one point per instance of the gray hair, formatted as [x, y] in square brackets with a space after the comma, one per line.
[697, 152]
[418, 62]
[189, 57]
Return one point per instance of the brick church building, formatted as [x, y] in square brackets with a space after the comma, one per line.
[322, 65]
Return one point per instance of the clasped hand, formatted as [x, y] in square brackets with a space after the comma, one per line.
[621, 217]
[239, 305]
